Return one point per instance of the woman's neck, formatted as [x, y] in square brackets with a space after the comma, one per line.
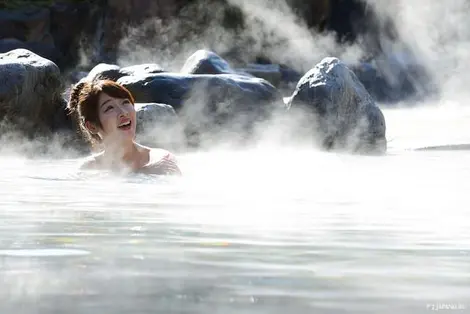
[124, 154]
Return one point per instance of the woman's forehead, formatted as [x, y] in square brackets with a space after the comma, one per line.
[104, 97]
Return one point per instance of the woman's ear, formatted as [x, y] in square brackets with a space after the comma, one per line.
[91, 127]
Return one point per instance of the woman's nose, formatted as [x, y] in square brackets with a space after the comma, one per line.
[123, 111]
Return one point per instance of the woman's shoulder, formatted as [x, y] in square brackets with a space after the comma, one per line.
[158, 154]
[91, 162]
[162, 161]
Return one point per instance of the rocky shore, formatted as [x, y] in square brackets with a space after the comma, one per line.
[204, 104]
[215, 97]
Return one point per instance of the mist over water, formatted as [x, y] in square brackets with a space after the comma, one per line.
[279, 226]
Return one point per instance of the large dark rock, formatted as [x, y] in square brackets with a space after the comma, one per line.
[142, 69]
[176, 89]
[159, 126]
[77, 29]
[206, 62]
[270, 72]
[315, 13]
[30, 91]
[279, 75]
[29, 25]
[28, 29]
[45, 50]
[211, 104]
[347, 17]
[114, 72]
[124, 15]
[105, 71]
[394, 78]
[343, 114]
[63, 32]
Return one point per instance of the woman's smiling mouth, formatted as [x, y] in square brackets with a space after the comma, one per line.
[125, 125]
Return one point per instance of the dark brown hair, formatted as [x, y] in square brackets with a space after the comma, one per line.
[83, 103]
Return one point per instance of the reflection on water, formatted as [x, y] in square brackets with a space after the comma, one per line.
[265, 231]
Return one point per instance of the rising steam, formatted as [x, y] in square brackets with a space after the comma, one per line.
[435, 34]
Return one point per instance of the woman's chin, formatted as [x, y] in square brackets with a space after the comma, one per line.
[121, 137]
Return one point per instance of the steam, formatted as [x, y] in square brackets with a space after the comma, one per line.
[434, 34]
[175, 40]
[53, 146]
[429, 34]
[437, 33]
[286, 38]
[271, 28]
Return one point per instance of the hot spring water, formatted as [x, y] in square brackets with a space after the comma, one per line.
[267, 230]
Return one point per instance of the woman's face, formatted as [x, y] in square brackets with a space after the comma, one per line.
[117, 117]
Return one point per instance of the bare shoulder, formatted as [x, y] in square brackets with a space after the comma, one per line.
[90, 162]
[157, 154]
[162, 161]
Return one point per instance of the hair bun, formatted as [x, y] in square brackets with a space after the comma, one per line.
[74, 96]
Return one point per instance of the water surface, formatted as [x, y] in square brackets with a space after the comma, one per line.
[267, 230]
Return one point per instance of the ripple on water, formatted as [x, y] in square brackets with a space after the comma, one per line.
[43, 252]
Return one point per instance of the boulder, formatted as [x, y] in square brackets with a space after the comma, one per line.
[345, 17]
[158, 125]
[142, 69]
[394, 78]
[76, 27]
[74, 77]
[209, 103]
[269, 72]
[280, 75]
[114, 72]
[30, 91]
[28, 25]
[289, 75]
[44, 50]
[206, 62]
[105, 71]
[28, 29]
[166, 88]
[124, 15]
[315, 13]
[344, 115]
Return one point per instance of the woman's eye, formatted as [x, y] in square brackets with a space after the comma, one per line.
[108, 108]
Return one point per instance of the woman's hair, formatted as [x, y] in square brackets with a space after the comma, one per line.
[83, 103]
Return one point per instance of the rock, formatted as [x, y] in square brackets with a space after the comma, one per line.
[159, 126]
[345, 17]
[289, 75]
[206, 62]
[279, 75]
[124, 15]
[114, 72]
[28, 29]
[76, 27]
[345, 117]
[44, 50]
[269, 72]
[394, 78]
[166, 88]
[105, 71]
[175, 88]
[30, 91]
[209, 103]
[142, 69]
[28, 25]
[314, 12]
[75, 76]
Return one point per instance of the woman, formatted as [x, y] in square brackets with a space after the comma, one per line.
[106, 116]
